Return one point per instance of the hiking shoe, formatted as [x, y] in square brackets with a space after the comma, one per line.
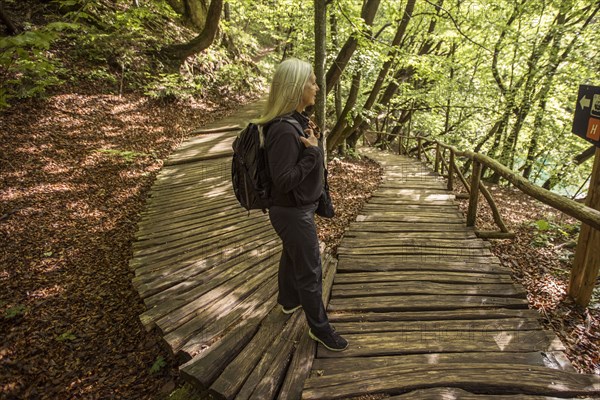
[289, 310]
[332, 340]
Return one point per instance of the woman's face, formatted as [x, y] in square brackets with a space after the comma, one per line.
[310, 91]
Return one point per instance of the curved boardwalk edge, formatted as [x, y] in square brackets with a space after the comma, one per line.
[428, 310]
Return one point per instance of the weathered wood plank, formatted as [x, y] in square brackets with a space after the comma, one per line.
[433, 251]
[180, 325]
[443, 315]
[157, 275]
[377, 241]
[415, 276]
[453, 235]
[424, 259]
[404, 288]
[493, 325]
[485, 378]
[190, 290]
[388, 227]
[333, 366]
[256, 305]
[454, 393]
[423, 303]
[376, 264]
[276, 354]
[235, 374]
[203, 246]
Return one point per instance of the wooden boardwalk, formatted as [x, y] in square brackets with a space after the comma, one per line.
[429, 312]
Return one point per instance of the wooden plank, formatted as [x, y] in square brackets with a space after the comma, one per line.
[377, 241]
[453, 235]
[454, 393]
[180, 283]
[403, 288]
[276, 354]
[485, 378]
[191, 235]
[202, 292]
[180, 325]
[416, 217]
[151, 275]
[388, 227]
[205, 367]
[440, 252]
[203, 246]
[488, 325]
[256, 305]
[375, 264]
[423, 303]
[333, 366]
[416, 276]
[444, 315]
[235, 374]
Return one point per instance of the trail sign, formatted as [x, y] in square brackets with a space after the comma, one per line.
[586, 122]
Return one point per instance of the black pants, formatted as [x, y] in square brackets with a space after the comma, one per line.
[300, 273]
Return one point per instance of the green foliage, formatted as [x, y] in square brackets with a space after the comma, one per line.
[27, 66]
[158, 365]
[15, 311]
[550, 232]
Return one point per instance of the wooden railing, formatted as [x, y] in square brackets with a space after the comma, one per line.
[583, 275]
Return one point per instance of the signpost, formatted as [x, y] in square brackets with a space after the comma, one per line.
[586, 265]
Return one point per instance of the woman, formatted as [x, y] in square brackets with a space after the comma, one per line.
[296, 166]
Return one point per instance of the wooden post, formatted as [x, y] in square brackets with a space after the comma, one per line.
[474, 196]
[451, 171]
[419, 148]
[437, 159]
[587, 256]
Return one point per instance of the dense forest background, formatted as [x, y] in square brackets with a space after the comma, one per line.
[499, 77]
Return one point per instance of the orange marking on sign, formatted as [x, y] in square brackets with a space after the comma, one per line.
[593, 131]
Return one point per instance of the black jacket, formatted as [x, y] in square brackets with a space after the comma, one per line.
[296, 170]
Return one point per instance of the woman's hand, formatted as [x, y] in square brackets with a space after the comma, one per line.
[311, 140]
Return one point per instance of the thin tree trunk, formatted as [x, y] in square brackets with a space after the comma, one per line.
[196, 12]
[11, 28]
[179, 52]
[320, 57]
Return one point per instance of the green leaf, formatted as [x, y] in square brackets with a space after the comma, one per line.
[159, 364]
[542, 224]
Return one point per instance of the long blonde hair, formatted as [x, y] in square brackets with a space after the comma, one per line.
[286, 89]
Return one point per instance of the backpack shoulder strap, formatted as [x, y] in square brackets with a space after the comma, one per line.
[292, 121]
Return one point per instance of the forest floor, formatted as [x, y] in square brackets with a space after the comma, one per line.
[75, 172]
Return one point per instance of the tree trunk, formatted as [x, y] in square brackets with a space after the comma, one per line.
[320, 56]
[177, 6]
[337, 92]
[196, 12]
[341, 61]
[177, 54]
[341, 123]
[11, 28]
[408, 10]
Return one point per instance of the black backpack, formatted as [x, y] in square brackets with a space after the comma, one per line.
[250, 168]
